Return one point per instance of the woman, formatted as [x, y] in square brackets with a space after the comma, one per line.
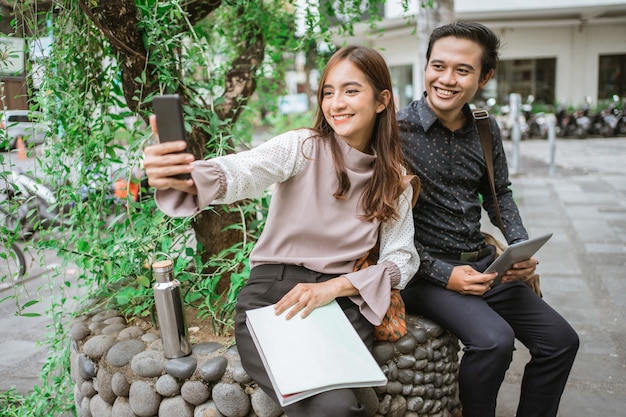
[336, 194]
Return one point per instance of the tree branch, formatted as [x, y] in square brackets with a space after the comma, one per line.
[240, 80]
[199, 9]
[117, 20]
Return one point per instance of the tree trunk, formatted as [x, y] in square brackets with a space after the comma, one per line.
[429, 18]
[117, 20]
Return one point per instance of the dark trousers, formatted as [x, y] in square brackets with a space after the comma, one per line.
[267, 284]
[487, 326]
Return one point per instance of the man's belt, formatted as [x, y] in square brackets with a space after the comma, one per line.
[462, 256]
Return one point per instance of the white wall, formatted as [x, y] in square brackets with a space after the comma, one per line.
[546, 31]
[462, 6]
[576, 48]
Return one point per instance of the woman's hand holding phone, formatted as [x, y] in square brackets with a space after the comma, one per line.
[165, 160]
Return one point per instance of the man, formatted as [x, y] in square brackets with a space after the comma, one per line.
[442, 146]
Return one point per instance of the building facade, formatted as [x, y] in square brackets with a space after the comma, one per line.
[561, 52]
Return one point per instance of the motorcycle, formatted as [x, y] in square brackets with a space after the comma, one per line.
[615, 118]
[609, 119]
[576, 124]
[537, 125]
[29, 204]
[506, 121]
[620, 128]
[565, 123]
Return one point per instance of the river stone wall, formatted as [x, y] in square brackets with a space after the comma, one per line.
[120, 371]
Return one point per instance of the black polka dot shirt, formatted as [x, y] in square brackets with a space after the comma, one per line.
[454, 180]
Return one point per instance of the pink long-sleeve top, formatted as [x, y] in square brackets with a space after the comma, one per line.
[306, 225]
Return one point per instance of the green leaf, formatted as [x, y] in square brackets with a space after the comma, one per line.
[30, 303]
[144, 281]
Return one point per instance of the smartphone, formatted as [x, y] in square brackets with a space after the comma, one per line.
[170, 121]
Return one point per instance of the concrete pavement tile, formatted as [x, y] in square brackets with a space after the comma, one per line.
[596, 384]
[604, 372]
[606, 259]
[612, 278]
[600, 339]
[586, 402]
[582, 212]
[23, 374]
[553, 254]
[508, 398]
[572, 299]
[23, 325]
[616, 181]
[608, 246]
[582, 270]
[571, 194]
[568, 285]
[540, 215]
[593, 229]
[12, 351]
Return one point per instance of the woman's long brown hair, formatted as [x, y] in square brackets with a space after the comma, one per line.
[379, 197]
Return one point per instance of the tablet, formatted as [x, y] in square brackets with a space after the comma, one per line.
[517, 252]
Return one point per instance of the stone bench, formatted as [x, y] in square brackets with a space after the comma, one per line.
[119, 370]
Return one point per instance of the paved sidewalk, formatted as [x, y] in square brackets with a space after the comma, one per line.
[23, 351]
[582, 268]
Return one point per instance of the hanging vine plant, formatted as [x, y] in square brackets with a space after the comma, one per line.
[105, 62]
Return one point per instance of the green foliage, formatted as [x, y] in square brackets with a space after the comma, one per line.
[10, 402]
[97, 134]
[283, 122]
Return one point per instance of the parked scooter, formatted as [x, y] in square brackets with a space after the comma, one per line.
[537, 125]
[605, 122]
[582, 123]
[620, 129]
[505, 122]
[577, 124]
[615, 117]
[29, 204]
[566, 125]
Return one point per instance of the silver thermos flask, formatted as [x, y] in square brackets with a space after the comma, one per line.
[170, 313]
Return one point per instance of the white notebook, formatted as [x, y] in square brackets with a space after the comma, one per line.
[304, 357]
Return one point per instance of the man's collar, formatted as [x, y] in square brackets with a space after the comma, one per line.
[427, 115]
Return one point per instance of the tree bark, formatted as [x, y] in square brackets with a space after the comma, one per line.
[117, 20]
[428, 19]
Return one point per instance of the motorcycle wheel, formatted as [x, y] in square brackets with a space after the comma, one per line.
[14, 266]
[14, 224]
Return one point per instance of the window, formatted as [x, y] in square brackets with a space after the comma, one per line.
[19, 118]
[611, 78]
[536, 77]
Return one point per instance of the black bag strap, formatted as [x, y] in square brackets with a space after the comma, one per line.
[484, 130]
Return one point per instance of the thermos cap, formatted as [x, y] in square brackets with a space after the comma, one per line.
[162, 264]
[162, 270]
